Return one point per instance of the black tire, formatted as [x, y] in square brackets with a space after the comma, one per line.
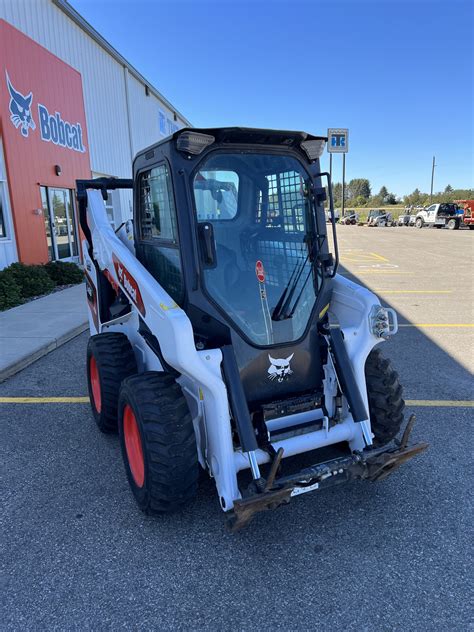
[419, 223]
[113, 357]
[166, 480]
[386, 403]
[451, 224]
[471, 227]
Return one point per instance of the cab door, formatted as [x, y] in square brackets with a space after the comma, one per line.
[431, 214]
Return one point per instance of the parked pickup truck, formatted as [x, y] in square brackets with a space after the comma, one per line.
[439, 215]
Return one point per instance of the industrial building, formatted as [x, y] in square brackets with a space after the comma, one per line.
[70, 107]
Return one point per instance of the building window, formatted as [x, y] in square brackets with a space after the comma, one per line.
[3, 227]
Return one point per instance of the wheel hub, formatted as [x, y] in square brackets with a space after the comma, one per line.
[133, 446]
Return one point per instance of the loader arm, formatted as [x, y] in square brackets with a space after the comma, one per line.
[105, 252]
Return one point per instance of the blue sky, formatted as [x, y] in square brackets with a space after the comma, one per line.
[397, 73]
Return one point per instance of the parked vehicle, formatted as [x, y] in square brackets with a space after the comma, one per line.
[337, 216]
[404, 219]
[439, 216]
[412, 220]
[352, 218]
[212, 345]
[467, 212]
[379, 217]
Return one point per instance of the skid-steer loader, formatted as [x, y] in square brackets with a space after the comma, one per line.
[223, 337]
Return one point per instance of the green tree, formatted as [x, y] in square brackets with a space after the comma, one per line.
[448, 189]
[390, 198]
[415, 198]
[358, 187]
[337, 193]
[359, 201]
[383, 193]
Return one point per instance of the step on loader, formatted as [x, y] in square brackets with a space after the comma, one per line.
[223, 337]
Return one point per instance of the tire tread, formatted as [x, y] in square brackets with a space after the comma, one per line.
[385, 393]
[171, 461]
[116, 361]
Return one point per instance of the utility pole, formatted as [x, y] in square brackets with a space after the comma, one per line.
[343, 182]
[432, 179]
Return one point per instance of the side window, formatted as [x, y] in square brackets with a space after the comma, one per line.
[216, 194]
[157, 248]
[157, 210]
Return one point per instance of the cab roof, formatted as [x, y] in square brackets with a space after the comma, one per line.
[242, 135]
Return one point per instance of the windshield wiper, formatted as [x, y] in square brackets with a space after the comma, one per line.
[280, 311]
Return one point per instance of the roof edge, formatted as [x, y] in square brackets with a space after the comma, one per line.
[77, 18]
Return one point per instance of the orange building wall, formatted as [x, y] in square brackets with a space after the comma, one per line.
[30, 161]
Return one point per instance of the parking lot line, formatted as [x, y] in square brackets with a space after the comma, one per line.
[437, 325]
[379, 257]
[44, 400]
[362, 271]
[440, 402]
[413, 291]
[85, 400]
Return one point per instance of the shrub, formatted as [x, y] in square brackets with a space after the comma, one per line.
[31, 280]
[10, 294]
[64, 273]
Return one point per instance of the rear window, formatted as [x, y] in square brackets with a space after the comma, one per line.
[448, 208]
[216, 194]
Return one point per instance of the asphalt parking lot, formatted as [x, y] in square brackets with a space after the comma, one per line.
[389, 556]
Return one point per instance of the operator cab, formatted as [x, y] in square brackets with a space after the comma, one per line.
[231, 223]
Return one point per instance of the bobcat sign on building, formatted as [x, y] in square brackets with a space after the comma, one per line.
[43, 153]
[71, 107]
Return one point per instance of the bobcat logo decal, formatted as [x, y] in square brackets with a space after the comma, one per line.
[20, 109]
[279, 368]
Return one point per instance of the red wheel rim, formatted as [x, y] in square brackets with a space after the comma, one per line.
[133, 446]
[95, 384]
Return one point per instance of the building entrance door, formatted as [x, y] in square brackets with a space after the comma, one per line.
[60, 223]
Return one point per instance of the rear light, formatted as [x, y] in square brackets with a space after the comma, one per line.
[383, 321]
[313, 148]
[193, 142]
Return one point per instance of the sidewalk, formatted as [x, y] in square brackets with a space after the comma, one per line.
[30, 331]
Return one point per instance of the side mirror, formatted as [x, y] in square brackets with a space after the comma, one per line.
[207, 244]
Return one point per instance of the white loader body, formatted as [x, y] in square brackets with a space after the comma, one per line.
[200, 371]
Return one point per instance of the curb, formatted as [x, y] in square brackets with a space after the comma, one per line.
[41, 351]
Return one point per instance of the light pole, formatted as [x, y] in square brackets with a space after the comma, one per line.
[432, 179]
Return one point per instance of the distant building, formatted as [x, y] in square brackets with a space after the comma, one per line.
[70, 107]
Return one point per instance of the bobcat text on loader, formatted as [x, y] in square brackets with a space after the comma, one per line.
[222, 335]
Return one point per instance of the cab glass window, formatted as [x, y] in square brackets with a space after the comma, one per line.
[157, 248]
[157, 211]
[216, 194]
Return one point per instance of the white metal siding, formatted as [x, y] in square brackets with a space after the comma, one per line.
[104, 86]
[145, 115]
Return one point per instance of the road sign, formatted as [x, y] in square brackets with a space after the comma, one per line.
[338, 141]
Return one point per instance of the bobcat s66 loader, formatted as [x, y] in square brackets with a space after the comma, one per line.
[223, 337]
